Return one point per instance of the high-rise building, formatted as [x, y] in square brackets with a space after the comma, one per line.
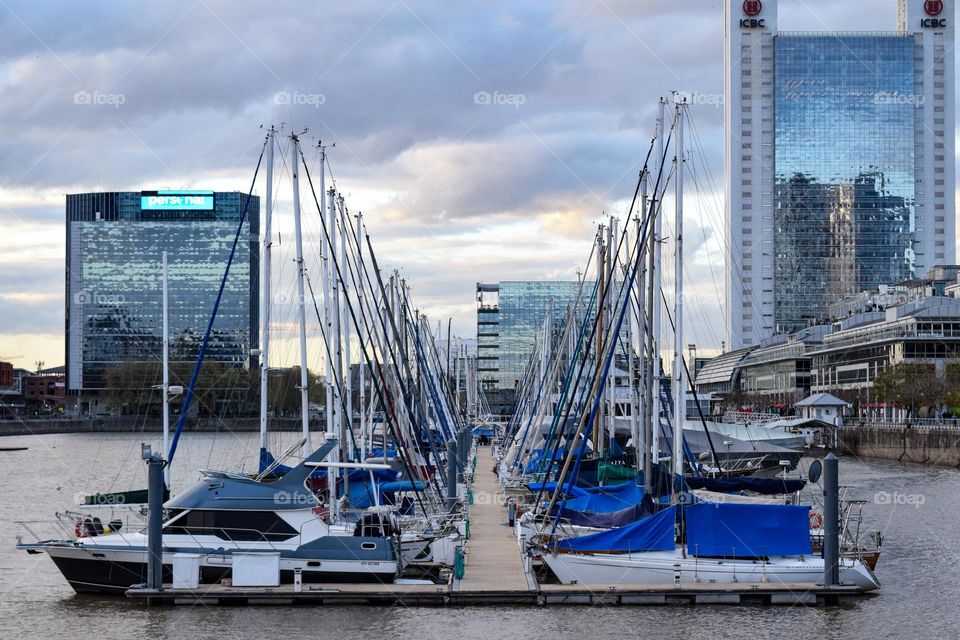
[839, 161]
[115, 243]
[510, 315]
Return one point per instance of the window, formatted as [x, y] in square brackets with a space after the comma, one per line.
[232, 525]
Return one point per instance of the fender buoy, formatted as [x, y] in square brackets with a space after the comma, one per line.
[816, 520]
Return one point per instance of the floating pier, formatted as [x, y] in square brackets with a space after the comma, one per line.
[495, 575]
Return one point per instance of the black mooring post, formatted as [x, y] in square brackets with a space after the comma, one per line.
[831, 520]
[155, 487]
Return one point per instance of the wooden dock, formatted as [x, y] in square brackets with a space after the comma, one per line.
[493, 560]
[414, 595]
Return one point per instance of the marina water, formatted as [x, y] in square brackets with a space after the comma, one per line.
[917, 508]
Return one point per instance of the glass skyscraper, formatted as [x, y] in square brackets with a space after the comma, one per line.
[844, 188]
[839, 162]
[510, 315]
[115, 243]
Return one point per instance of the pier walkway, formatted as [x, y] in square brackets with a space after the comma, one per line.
[493, 557]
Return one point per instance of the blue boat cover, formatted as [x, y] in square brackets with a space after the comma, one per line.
[359, 491]
[653, 533]
[402, 485]
[609, 498]
[765, 486]
[483, 431]
[608, 519]
[550, 487]
[748, 530]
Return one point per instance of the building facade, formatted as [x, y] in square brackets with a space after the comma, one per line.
[839, 156]
[115, 243]
[510, 315]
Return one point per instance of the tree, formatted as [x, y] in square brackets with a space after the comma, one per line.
[221, 390]
[910, 385]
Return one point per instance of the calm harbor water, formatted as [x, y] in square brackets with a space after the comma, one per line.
[918, 508]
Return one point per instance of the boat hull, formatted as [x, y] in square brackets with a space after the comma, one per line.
[106, 571]
[667, 568]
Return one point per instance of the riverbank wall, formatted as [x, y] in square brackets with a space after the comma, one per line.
[933, 445]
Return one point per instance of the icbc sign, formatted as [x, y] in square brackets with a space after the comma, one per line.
[933, 8]
[752, 9]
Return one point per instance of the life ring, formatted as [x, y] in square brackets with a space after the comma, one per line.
[816, 520]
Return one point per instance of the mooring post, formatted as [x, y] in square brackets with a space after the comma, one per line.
[451, 473]
[155, 486]
[831, 520]
[463, 449]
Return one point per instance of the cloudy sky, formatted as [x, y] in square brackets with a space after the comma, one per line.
[482, 140]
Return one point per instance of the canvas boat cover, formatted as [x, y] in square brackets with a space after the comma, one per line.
[763, 486]
[653, 533]
[747, 530]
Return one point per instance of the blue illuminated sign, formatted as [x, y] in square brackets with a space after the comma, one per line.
[177, 200]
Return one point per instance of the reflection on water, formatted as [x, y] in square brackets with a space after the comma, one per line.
[917, 507]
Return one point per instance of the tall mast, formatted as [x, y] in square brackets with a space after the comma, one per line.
[345, 313]
[301, 308]
[679, 382]
[365, 437]
[332, 404]
[166, 369]
[647, 339]
[265, 294]
[654, 294]
[613, 245]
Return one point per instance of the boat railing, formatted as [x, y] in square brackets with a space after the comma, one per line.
[749, 417]
[39, 529]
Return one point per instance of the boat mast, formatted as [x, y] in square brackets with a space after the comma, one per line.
[331, 405]
[166, 369]
[265, 294]
[679, 383]
[654, 293]
[301, 308]
[348, 365]
[645, 304]
[365, 437]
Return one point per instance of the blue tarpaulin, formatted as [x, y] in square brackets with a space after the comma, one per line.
[483, 431]
[765, 486]
[748, 530]
[610, 498]
[360, 494]
[550, 487]
[653, 533]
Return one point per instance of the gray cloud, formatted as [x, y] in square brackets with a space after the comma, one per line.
[132, 96]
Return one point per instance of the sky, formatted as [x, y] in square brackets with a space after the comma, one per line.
[483, 141]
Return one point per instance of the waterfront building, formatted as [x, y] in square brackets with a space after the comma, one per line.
[510, 315]
[115, 242]
[777, 372]
[839, 161]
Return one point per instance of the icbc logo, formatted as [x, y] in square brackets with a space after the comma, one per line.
[753, 7]
[932, 7]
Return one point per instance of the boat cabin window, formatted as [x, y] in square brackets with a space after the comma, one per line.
[232, 525]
